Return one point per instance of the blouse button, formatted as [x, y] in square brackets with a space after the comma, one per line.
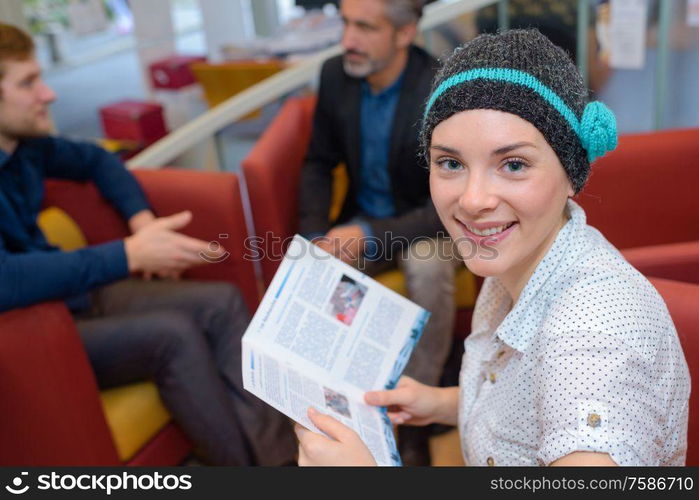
[493, 377]
[593, 420]
[490, 462]
[501, 354]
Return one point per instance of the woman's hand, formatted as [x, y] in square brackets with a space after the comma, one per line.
[343, 447]
[413, 403]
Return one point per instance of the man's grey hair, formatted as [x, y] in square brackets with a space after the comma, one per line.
[403, 12]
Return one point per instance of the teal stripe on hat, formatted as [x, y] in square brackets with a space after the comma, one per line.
[512, 76]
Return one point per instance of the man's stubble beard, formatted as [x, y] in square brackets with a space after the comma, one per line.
[367, 68]
[358, 70]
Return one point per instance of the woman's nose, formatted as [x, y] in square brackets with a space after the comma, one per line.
[478, 194]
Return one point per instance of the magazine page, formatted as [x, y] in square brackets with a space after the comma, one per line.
[287, 387]
[325, 334]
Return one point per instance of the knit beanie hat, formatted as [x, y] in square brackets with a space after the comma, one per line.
[523, 73]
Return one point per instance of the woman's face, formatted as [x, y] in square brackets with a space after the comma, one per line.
[499, 190]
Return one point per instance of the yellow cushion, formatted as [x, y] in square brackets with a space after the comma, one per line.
[135, 413]
[60, 229]
[464, 294]
[339, 192]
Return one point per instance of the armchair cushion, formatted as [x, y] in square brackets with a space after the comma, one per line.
[135, 413]
[61, 230]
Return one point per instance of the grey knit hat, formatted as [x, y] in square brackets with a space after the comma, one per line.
[523, 73]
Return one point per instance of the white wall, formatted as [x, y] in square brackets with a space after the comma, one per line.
[154, 32]
[11, 13]
[226, 22]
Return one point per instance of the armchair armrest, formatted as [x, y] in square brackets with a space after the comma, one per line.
[51, 414]
[675, 261]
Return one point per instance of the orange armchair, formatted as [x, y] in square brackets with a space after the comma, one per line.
[52, 412]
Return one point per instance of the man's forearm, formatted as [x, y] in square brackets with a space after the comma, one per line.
[33, 277]
[140, 220]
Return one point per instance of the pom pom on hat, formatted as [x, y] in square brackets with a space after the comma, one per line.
[598, 132]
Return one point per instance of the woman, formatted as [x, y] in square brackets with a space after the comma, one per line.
[573, 358]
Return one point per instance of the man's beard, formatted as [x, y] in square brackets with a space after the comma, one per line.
[366, 68]
[25, 131]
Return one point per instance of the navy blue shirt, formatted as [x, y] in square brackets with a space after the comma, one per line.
[31, 270]
[375, 193]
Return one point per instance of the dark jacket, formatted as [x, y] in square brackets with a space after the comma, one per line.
[336, 139]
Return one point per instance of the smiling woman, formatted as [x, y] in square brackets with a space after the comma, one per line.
[569, 344]
[573, 358]
[498, 187]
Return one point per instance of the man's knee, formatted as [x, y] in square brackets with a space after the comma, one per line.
[429, 259]
[173, 333]
[224, 297]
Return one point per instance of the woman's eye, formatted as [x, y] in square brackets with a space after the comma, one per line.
[449, 165]
[515, 166]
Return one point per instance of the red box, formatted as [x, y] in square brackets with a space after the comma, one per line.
[138, 121]
[173, 73]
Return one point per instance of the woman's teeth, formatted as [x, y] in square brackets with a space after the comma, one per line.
[488, 232]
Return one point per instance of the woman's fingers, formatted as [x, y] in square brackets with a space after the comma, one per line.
[395, 397]
[399, 417]
[403, 394]
[330, 426]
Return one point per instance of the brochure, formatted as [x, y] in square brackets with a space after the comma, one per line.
[325, 334]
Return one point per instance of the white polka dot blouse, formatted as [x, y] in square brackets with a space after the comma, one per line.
[588, 359]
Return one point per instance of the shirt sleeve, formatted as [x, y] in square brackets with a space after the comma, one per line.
[594, 393]
[33, 277]
[83, 161]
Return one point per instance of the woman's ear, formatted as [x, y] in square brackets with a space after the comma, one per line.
[571, 191]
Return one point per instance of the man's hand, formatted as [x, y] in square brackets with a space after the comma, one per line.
[344, 242]
[158, 249]
[343, 447]
[140, 220]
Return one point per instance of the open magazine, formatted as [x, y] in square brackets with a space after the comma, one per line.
[325, 334]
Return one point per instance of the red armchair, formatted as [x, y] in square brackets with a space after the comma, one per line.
[642, 196]
[272, 174]
[52, 414]
[682, 299]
